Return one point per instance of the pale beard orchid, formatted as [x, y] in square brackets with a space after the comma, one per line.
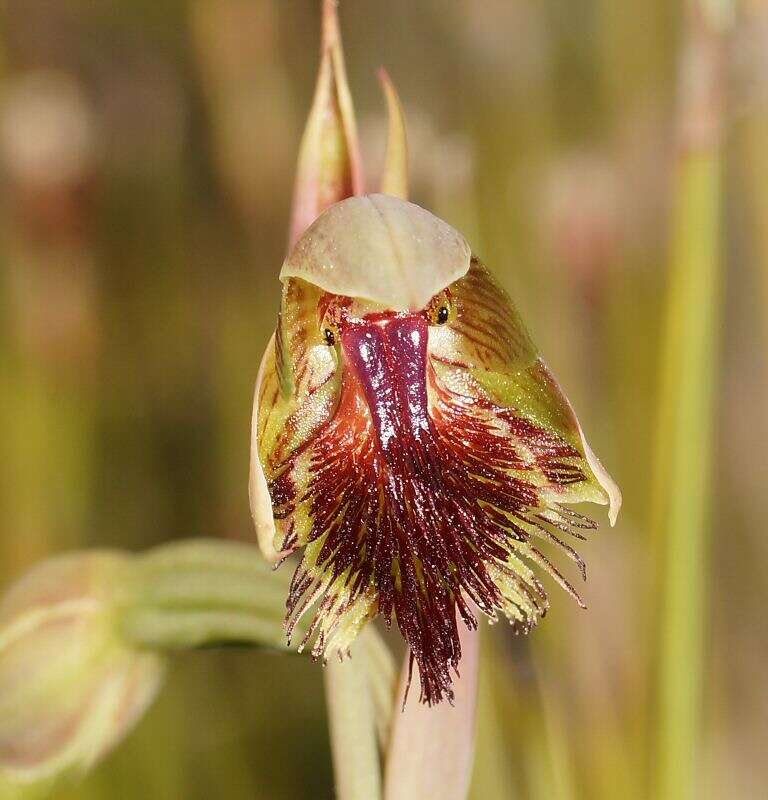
[411, 440]
[407, 438]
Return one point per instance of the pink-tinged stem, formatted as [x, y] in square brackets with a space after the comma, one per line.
[432, 749]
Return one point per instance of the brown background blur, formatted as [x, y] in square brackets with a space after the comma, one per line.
[147, 151]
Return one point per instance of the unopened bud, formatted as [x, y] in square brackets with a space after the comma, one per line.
[70, 686]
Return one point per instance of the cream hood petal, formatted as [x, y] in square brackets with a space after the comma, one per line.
[380, 248]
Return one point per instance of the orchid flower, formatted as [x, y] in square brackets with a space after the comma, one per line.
[408, 439]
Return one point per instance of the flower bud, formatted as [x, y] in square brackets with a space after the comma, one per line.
[70, 686]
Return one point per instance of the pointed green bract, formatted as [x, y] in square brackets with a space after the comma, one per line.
[394, 181]
[330, 167]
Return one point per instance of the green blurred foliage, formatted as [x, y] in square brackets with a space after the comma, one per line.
[147, 162]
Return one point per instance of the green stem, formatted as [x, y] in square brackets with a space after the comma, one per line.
[204, 593]
[352, 723]
[688, 407]
[684, 446]
[382, 682]
[689, 451]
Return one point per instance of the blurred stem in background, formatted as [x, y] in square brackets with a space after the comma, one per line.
[684, 444]
[753, 152]
[552, 765]
[498, 763]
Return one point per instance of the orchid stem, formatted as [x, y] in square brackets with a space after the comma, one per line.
[205, 593]
[432, 749]
[352, 724]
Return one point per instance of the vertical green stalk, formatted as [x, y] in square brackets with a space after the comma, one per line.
[684, 444]
[753, 164]
[686, 412]
[352, 725]
[553, 773]
[499, 719]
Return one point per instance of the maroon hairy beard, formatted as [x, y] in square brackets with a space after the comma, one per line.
[411, 495]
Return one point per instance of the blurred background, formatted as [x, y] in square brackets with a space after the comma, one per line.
[594, 153]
